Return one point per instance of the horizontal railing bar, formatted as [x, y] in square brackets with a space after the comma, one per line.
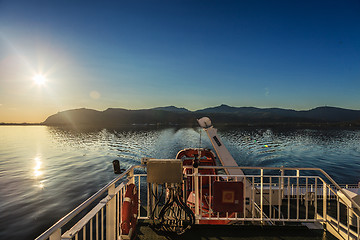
[250, 219]
[256, 168]
[118, 188]
[249, 176]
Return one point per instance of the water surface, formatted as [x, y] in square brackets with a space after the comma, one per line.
[45, 172]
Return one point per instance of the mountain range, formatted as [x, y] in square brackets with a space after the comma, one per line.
[222, 114]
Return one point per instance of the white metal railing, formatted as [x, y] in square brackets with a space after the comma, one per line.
[99, 222]
[271, 195]
[289, 197]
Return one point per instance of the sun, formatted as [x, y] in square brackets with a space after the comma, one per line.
[39, 79]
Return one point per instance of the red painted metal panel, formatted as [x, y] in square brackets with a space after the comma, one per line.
[228, 196]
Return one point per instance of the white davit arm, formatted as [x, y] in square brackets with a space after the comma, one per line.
[224, 155]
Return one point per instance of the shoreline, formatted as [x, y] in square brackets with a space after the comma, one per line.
[275, 125]
[22, 124]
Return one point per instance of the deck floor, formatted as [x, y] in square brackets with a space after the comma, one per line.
[228, 232]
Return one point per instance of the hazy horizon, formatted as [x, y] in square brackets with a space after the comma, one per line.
[57, 55]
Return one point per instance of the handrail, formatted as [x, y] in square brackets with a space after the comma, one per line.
[267, 219]
[294, 169]
[58, 225]
[339, 188]
[257, 168]
[80, 224]
[81, 207]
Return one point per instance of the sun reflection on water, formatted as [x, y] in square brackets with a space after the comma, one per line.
[37, 168]
[41, 185]
[38, 173]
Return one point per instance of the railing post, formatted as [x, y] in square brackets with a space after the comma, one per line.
[270, 197]
[348, 220]
[324, 201]
[196, 182]
[282, 181]
[253, 197]
[56, 235]
[261, 193]
[297, 195]
[306, 198]
[131, 176]
[111, 214]
[315, 199]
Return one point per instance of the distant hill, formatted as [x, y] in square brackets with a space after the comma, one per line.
[333, 114]
[75, 117]
[171, 109]
[222, 114]
[322, 114]
[224, 109]
[119, 116]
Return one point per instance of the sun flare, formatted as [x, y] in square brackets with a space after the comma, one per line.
[39, 79]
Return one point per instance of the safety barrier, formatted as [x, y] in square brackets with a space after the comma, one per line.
[99, 217]
[285, 197]
[271, 196]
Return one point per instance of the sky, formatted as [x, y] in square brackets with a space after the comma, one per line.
[297, 54]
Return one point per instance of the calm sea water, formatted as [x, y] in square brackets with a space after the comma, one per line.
[45, 172]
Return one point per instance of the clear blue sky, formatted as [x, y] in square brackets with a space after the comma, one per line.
[193, 54]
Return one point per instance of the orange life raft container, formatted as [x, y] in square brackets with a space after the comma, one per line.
[129, 211]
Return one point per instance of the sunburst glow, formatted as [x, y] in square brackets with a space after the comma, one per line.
[39, 79]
